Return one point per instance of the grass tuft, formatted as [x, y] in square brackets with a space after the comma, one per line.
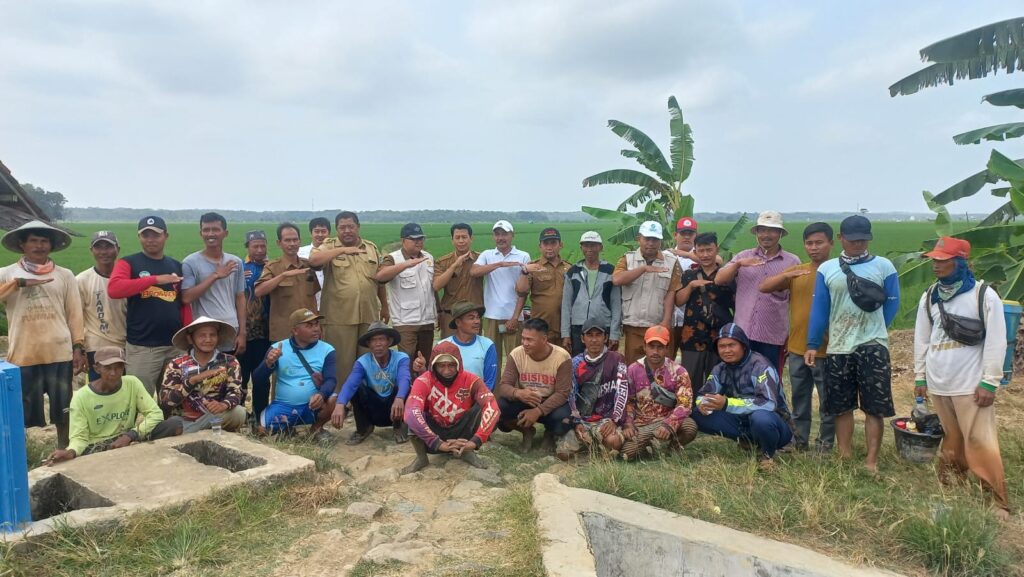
[957, 541]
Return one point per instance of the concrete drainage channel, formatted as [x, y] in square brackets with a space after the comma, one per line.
[103, 488]
[591, 534]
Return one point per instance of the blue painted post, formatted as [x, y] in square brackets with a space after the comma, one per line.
[1011, 311]
[14, 503]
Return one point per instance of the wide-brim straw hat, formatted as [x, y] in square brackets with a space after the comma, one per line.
[226, 333]
[379, 328]
[60, 239]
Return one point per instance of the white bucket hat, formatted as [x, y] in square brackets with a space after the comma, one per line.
[769, 219]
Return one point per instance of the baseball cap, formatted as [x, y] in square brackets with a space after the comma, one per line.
[686, 223]
[503, 225]
[154, 223]
[651, 229]
[855, 227]
[657, 333]
[109, 356]
[948, 247]
[591, 236]
[592, 324]
[303, 316]
[104, 236]
[550, 234]
[413, 231]
[254, 235]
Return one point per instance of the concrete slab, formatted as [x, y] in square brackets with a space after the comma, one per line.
[103, 488]
[591, 534]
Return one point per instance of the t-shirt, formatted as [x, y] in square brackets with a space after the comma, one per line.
[294, 384]
[304, 252]
[550, 376]
[500, 289]
[95, 417]
[801, 296]
[155, 311]
[218, 302]
[45, 320]
[480, 357]
[105, 318]
[710, 308]
[848, 325]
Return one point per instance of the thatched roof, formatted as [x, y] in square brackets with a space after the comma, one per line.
[16, 206]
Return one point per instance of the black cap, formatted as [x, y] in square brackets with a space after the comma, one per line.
[152, 223]
[413, 231]
[254, 235]
[592, 324]
[855, 227]
[550, 234]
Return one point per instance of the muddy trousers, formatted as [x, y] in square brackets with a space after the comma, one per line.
[971, 443]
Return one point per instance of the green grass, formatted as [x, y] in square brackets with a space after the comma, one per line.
[831, 506]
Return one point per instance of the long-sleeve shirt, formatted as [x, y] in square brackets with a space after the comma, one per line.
[479, 357]
[155, 311]
[382, 380]
[642, 409]
[952, 368]
[600, 388]
[445, 406]
[550, 376]
[178, 392]
[850, 326]
[95, 418]
[44, 321]
[750, 385]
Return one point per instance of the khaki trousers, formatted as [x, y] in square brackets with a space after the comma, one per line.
[971, 443]
[416, 339]
[148, 364]
[503, 342]
[346, 348]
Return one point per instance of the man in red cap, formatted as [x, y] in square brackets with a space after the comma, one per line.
[960, 363]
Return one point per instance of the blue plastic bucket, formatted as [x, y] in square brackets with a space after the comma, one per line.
[1011, 311]
[14, 496]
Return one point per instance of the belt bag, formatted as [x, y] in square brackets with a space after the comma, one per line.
[964, 330]
[866, 294]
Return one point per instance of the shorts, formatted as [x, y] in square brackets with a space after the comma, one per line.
[280, 416]
[53, 380]
[861, 379]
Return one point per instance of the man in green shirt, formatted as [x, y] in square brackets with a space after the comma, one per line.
[105, 413]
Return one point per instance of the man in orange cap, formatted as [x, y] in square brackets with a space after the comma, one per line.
[961, 368]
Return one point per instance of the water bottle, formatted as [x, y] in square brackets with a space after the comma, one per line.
[920, 409]
[216, 424]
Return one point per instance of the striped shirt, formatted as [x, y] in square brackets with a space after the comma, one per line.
[763, 316]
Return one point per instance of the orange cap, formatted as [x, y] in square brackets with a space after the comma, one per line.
[657, 333]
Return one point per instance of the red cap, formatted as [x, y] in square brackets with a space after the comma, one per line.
[949, 247]
[657, 333]
[686, 223]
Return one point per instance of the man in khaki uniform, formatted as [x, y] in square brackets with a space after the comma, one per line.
[649, 277]
[351, 298]
[288, 281]
[543, 279]
[451, 274]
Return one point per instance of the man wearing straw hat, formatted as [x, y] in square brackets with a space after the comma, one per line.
[963, 378]
[205, 384]
[44, 313]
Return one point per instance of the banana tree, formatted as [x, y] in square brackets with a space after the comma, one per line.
[659, 194]
[998, 240]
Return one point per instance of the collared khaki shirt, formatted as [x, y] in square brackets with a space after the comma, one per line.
[461, 287]
[293, 293]
[546, 291]
[349, 295]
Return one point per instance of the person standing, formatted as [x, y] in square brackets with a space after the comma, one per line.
[257, 308]
[685, 252]
[151, 282]
[707, 308]
[350, 298]
[213, 281]
[589, 294]
[542, 280]
[319, 230]
[408, 274]
[764, 316]
[962, 372]
[501, 266]
[104, 317]
[857, 371]
[451, 275]
[45, 326]
[649, 278]
[800, 280]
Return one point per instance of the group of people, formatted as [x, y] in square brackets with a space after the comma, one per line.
[626, 359]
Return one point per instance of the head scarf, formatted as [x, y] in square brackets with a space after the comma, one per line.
[960, 281]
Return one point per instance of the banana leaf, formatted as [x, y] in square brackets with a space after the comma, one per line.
[626, 176]
[943, 224]
[681, 145]
[1005, 168]
[607, 214]
[1014, 97]
[997, 132]
[730, 237]
[649, 155]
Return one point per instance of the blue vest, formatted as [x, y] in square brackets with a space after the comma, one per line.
[381, 380]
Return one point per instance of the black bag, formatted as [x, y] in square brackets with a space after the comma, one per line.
[964, 330]
[866, 294]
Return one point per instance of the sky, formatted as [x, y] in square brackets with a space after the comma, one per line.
[497, 105]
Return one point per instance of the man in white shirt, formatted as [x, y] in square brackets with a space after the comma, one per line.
[501, 266]
[962, 371]
[319, 229]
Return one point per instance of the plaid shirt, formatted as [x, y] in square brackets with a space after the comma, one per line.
[177, 393]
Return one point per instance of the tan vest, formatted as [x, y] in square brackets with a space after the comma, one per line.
[643, 300]
[411, 294]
